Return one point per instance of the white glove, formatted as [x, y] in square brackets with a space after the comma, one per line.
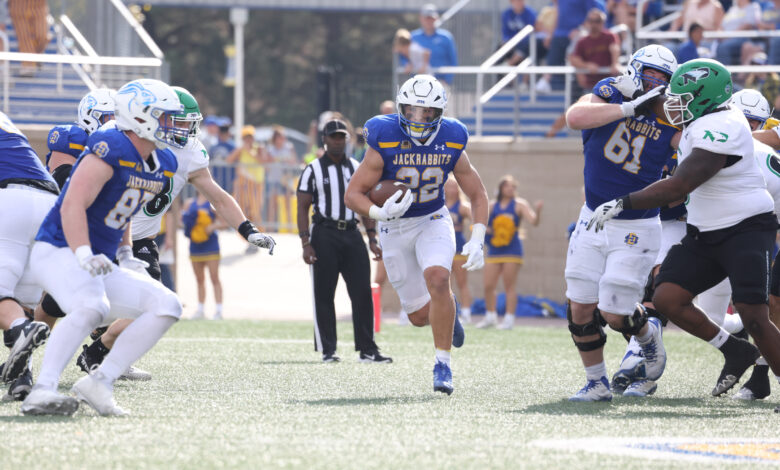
[629, 107]
[625, 85]
[474, 249]
[124, 255]
[391, 209]
[97, 265]
[605, 212]
[263, 241]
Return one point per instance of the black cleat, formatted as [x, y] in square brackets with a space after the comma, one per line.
[86, 362]
[375, 358]
[97, 332]
[740, 357]
[757, 386]
[330, 357]
[20, 387]
[22, 339]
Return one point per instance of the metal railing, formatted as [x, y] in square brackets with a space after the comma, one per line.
[6, 71]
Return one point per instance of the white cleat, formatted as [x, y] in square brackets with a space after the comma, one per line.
[507, 323]
[198, 315]
[594, 390]
[640, 388]
[491, 319]
[135, 374]
[95, 394]
[47, 402]
[654, 352]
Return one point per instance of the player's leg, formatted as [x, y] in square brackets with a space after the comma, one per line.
[154, 309]
[509, 277]
[325, 276]
[464, 292]
[715, 301]
[492, 273]
[213, 268]
[199, 269]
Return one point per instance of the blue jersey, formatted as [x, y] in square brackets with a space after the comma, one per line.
[132, 185]
[69, 139]
[678, 211]
[423, 167]
[624, 156]
[17, 159]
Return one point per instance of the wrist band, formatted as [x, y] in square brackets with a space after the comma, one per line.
[626, 202]
[247, 228]
[305, 233]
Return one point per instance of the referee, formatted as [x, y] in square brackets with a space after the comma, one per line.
[335, 245]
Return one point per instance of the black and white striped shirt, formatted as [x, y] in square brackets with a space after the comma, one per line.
[327, 182]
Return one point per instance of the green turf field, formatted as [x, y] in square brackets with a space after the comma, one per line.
[254, 395]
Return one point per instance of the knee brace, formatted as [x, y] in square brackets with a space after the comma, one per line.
[593, 327]
[50, 306]
[633, 323]
[653, 313]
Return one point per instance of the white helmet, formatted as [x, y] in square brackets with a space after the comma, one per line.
[420, 103]
[753, 104]
[96, 108]
[147, 107]
[654, 57]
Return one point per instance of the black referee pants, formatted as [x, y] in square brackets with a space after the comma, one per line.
[341, 251]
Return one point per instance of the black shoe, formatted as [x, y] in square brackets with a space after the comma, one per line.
[20, 387]
[375, 357]
[330, 357]
[86, 362]
[740, 356]
[22, 339]
[757, 386]
[742, 334]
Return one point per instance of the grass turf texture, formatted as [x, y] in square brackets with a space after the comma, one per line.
[254, 395]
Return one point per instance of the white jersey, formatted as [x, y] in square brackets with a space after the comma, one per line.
[193, 157]
[769, 162]
[735, 192]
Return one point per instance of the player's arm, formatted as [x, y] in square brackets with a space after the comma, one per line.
[675, 142]
[366, 176]
[769, 137]
[532, 214]
[465, 210]
[592, 111]
[471, 184]
[59, 158]
[304, 206]
[86, 183]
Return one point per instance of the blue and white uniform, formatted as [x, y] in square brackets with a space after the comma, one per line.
[69, 139]
[135, 182]
[611, 267]
[27, 193]
[503, 243]
[424, 236]
[457, 224]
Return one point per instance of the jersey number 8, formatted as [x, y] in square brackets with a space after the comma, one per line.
[617, 148]
[411, 177]
[118, 217]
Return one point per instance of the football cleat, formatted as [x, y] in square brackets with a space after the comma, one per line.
[22, 339]
[375, 358]
[98, 332]
[47, 402]
[97, 395]
[757, 386]
[653, 351]
[491, 319]
[199, 315]
[20, 387]
[632, 368]
[135, 374]
[507, 323]
[594, 390]
[330, 357]
[736, 364]
[442, 378]
[640, 388]
[85, 362]
[458, 333]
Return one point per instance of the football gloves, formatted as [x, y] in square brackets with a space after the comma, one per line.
[631, 108]
[96, 265]
[124, 255]
[392, 208]
[605, 212]
[473, 249]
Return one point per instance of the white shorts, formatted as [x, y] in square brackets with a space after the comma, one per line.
[611, 267]
[715, 301]
[119, 294]
[23, 209]
[672, 231]
[412, 245]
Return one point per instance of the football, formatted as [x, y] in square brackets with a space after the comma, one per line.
[384, 189]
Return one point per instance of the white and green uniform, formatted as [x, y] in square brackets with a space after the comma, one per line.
[769, 162]
[193, 157]
[736, 192]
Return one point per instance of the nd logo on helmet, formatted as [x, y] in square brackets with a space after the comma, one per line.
[695, 75]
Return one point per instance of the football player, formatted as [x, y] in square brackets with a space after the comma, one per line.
[731, 223]
[420, 148]
[193, 168]
[626, 146]
[121, 169]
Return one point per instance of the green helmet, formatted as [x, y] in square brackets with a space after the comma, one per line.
[696, 88]
[191, 115]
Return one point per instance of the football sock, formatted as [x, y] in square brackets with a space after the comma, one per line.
[219, 308]
[97, 350]
[62, 344]
[597, 371]
[719, 339]
[134, 342]
[200, 308]
[443, 356]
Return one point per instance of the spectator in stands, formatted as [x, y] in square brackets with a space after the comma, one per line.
[513, 20]
[744, 15]
[32, 29]
[545, 27]
[566, 30]
[283, 161]
[708, 13]
[768, 83]
[411, 56]
[439, 41]
[250, 176]
[689, 50]
[598, 49]
[209, 132]
[224, 146]
[770, 20]
[387, 107]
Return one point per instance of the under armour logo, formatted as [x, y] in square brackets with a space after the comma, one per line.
[439, 147]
